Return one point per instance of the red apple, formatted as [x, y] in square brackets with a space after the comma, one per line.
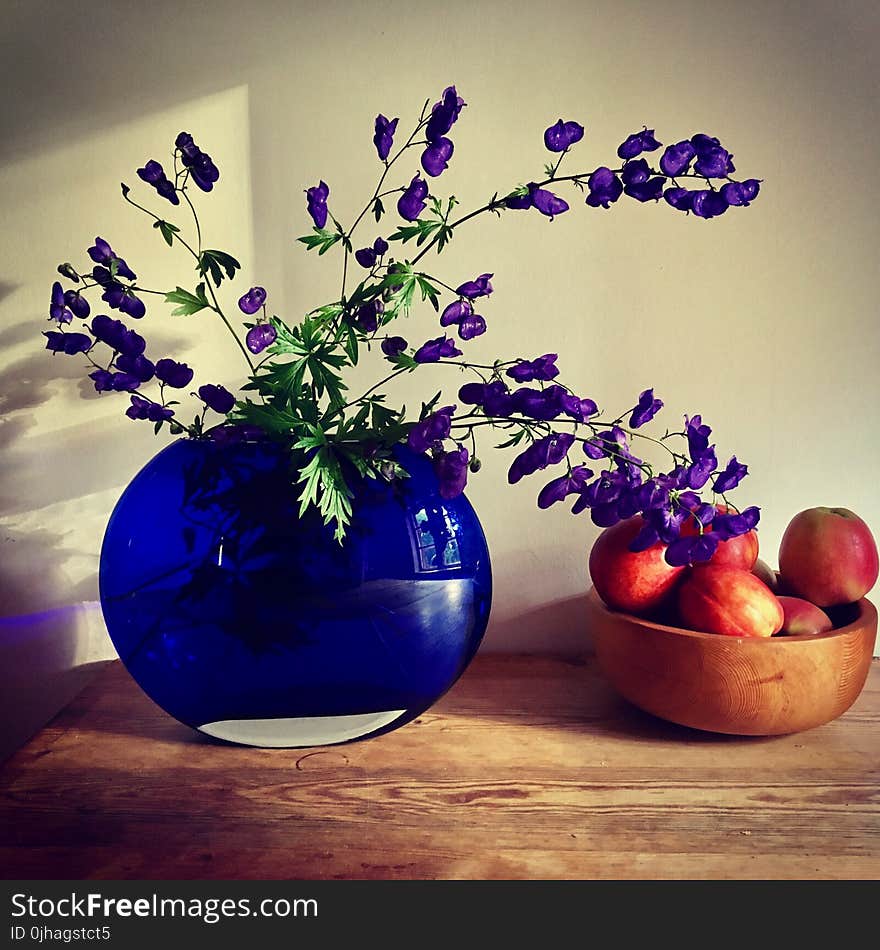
[801, 617]
[765, 573]
[729, 601]
[632, 581]
[741, 552]
[828, 556]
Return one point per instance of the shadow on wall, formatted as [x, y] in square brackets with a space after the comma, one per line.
[561, 624]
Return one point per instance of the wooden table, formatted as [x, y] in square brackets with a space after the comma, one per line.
[529, 768]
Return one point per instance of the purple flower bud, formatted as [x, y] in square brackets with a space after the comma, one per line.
[316, 203]
[58, 309]
[543, 368]
[433, 428]
[253, 300]
[435, 350]
[174, 374]
[451, 469]
[456, 312]
[367, 316]
[562, 136]
[217, 397]
[138, 366]
[481, 287]
[393, 346]
[260, 336]
[366, 257]
[154, 175]
[380, 246]
[471, 394]
[605, 188]
[676, 158]
[383, 137]
[78, 304]
[645, 410]
[471, 326]
[435, 158]
[518, 202]
[68, 343]
[637, 143]
[411, 204]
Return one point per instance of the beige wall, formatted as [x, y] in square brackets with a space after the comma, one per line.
[764, 320]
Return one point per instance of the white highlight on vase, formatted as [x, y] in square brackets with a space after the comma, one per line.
[294, 733]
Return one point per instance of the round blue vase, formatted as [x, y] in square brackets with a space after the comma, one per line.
[251, 624]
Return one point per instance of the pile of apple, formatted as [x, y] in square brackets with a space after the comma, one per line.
[827, 559]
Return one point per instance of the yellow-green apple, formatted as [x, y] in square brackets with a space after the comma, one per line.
[636, 582]
[828, 556]
[765, 573]
[729, 601]
[801, 617]
[741, 551]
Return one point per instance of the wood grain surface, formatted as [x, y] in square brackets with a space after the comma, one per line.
[530, 767]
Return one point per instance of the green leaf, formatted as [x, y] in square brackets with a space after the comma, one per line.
[216, 263]
[351, 343]
[321, 239]
[188, 303]
[167, 230]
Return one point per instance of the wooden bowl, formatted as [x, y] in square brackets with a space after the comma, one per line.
[750, 686]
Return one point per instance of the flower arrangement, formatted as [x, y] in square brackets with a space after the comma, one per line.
[296, 392]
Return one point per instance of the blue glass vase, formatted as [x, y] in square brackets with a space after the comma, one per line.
[253, 625]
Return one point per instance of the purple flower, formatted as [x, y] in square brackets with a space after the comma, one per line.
[154, 175]
[451, 469]
[714, 162]
[605, 188]
[141, 408]
[202, 170]
[367, 316]
[383, 137]
[471, 394]
[676, 158]
[124, 382]
[562, 136]
[691, 549]
[541, 404]
[729, 526]
[68, 343]
[138, 366]
[543, 368]
[393, 346]
[411, 204]
[519, 202]
[435, 350]
[434, 428]
[546, 202]
[174, 374]
[58, 309]
[444, 114]
[367, 256]
[122, 298]
[456, 312]
[635, 172]
[697, 435]
[260, 336]
[740, 193]
[471, 326]
[216, 397]
[645, 410]
[101, 253]
[732, 475]
[543, 452]
[481, 287]
[435, 158]
[316, 201]
[577, 408]
[75, 301]
[115, 334]
[700, 471]
[682, 199]
[708, 204]
[103, 380]
[253, 300]
[651, 190]
[560, 488]
[637, 143]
